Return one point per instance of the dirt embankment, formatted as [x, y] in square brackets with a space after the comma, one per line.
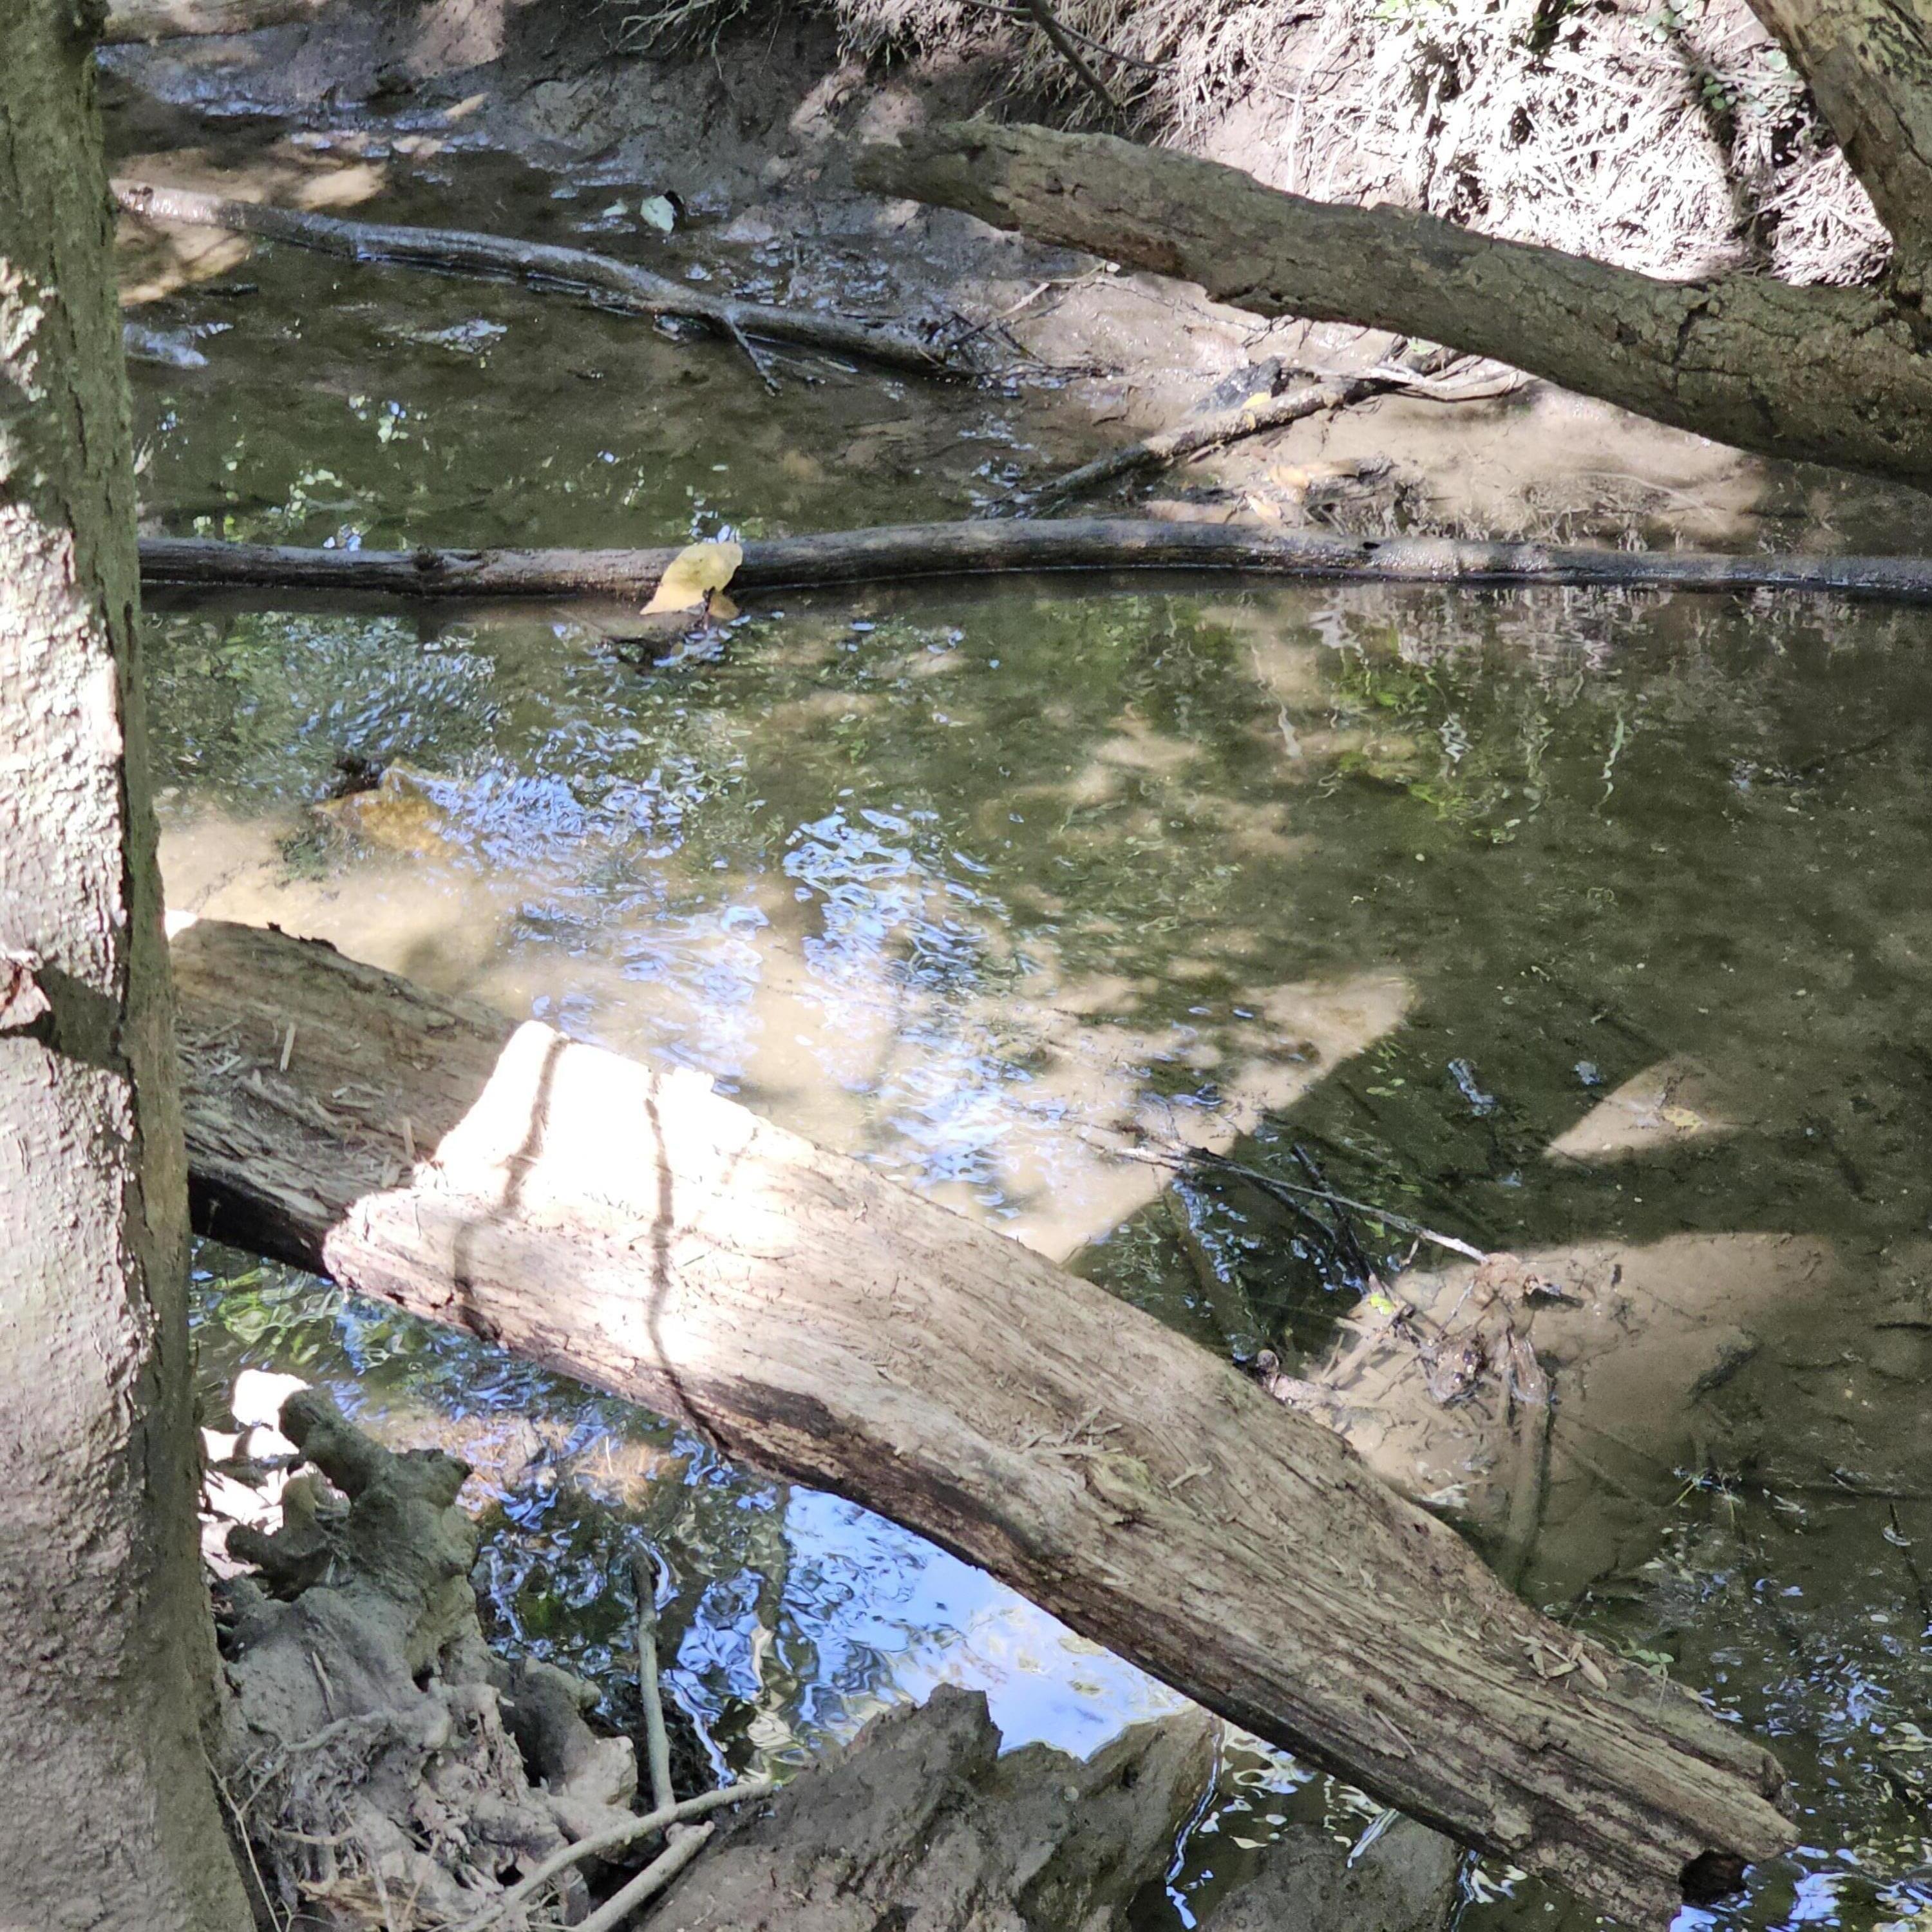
[1671, 137]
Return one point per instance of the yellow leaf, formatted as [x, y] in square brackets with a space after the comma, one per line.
[695, 573]
[1683, 1119]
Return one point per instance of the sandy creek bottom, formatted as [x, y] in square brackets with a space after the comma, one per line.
[966, 880]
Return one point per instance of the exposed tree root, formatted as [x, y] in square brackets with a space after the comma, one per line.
[900, 552]
[610, 283]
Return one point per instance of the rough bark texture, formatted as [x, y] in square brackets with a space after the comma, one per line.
[909, 550]
[1835, 375]
[1869, 63]
[1403, 1881]
[612, 283]
[643, 1233]
[923, 1823]
[106, 1674]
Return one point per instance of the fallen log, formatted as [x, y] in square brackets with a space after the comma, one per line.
[897, 553]
[1826, 375]
[612, 284]
[641, 1233]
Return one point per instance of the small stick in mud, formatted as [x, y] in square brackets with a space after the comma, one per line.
[610, 283]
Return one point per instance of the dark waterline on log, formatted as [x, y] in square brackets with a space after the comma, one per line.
[945, 878]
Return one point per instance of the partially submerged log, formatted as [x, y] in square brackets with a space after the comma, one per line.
[902, 552]
[1828, 375]
[612, 284]
[639, 1231]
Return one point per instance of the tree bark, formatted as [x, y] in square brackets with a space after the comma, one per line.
[1869, 63]
[643, 1234]
[107, 1675]
[895, 552]
[1837, 376]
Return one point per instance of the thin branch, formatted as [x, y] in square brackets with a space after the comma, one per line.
[1048, 21]
[602, 1844]
[1074, 33]
[650, 1881]
[610, 283]
[657, 1743]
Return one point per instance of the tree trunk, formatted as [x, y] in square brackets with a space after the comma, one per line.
[645, 1235]
[1837, 376]
[1870, 65]
[106, 1675]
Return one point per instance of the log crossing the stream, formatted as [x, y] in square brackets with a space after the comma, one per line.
[904, 552]
[633, 1229]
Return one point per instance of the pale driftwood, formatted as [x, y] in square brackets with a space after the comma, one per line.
[906, 551]
[642, 1233]
[610, 283]
[146, 20]
[1830, 375]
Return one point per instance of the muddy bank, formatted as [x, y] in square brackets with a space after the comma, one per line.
[749, 139]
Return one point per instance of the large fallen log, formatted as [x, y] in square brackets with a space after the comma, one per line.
[638, 1232]
[1828, 375]
[904, 551]
[612, 284]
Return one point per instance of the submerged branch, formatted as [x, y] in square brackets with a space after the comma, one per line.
[540, 265]
[900, 552]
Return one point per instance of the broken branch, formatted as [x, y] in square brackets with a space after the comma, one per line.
[540, 265]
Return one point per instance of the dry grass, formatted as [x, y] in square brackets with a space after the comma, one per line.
[1670, 136]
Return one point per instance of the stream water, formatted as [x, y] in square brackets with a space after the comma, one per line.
[960, 880]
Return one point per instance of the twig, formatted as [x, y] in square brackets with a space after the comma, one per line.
[1199, 1157]
[651, 1880]
[657, 1744]
[599, 1844]
[1072, 33]
[611, 283]
[1048, 21]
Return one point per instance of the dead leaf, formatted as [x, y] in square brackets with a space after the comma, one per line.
[695, 576]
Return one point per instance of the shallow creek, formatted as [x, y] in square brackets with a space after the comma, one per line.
[966, 880]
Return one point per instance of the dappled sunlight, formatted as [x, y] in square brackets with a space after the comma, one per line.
[1673, 1104]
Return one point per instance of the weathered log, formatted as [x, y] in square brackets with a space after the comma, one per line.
[641, 1232]
[905, 551]
[147, 20]
[612, 284]
[1821, 374]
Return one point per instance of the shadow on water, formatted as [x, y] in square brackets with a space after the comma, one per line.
[979, 883]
